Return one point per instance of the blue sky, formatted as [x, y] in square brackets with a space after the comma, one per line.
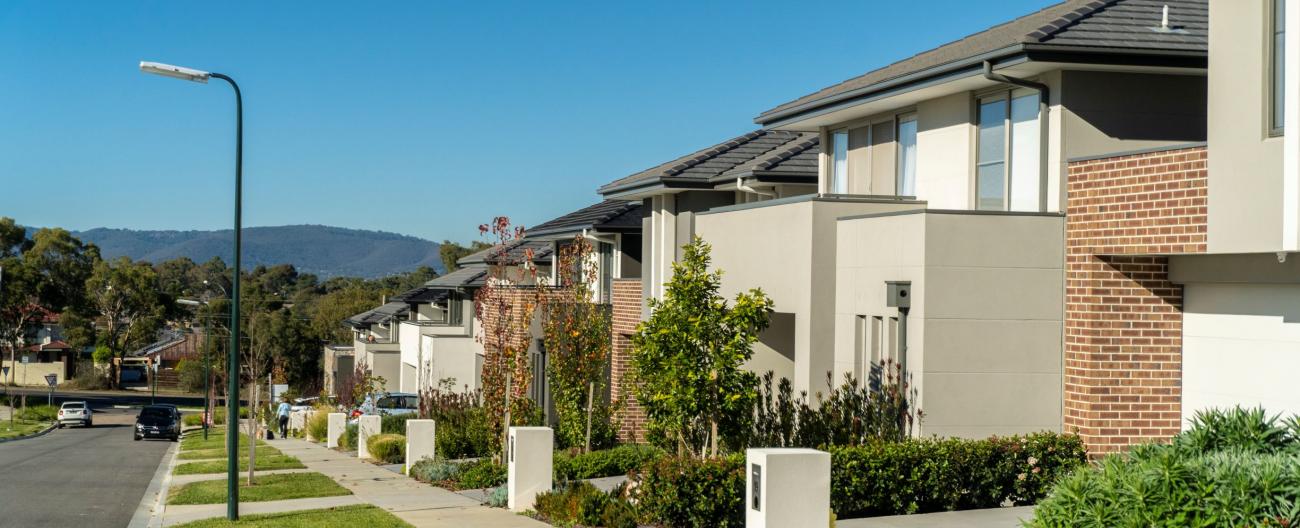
[421, 118]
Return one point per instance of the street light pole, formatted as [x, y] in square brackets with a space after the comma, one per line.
[232, 360]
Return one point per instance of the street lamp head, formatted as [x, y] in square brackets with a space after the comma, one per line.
[177, 72]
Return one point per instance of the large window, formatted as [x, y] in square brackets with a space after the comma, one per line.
[1008, 170]
[1277, 100]
[839, 163]
[906, 185]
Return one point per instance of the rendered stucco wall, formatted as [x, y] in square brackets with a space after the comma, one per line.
[1245, 172]
[984, 328]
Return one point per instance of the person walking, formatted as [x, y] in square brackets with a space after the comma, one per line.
[283, 412]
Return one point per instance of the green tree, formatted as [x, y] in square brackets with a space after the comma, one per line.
[332, 308]
[126, 297]
[452, 251]
[576, 331]
[687, 358]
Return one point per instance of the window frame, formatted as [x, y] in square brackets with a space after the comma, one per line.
[1006, 95]
[1276, 100]
[835, 181]
[899, 120]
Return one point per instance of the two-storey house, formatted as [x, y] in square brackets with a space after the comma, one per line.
[930, 227]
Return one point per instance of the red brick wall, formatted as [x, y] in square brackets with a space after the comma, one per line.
[627, 303]
[1123, 318]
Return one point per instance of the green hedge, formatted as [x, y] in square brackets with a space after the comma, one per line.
[677, 491]
[388, 448]
[919, 476]
[348, 440]
[606, 463]
[581, 504]
[1230, 468]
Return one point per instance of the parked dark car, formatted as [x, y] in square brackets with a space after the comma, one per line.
[157, 421]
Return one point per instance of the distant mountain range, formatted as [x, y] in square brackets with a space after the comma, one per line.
[323, 250]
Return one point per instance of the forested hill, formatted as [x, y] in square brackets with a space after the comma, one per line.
[322, 250]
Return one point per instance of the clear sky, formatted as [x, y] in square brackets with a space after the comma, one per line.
[421, 118]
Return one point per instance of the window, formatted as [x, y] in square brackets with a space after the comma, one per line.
[455, 309]
[839, 162]
[1008, 171]
[1278, 96]
[906, 185]
[606, 271]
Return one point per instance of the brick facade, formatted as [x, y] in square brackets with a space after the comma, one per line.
[1123, 318]
[627, 303]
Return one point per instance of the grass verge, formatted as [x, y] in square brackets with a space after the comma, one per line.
[200, 454]
[267, 488]
[218, 466]
[21, 428]
[342, 517]
[216, 440]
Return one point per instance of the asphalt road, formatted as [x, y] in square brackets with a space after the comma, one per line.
[78, 477]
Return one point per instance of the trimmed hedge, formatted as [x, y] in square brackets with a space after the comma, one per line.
[606, 463]
[679, 491]
[388, 448]
[920, 476]
[1230, 468]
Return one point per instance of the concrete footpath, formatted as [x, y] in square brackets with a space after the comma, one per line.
[412, 501]
[988, 518]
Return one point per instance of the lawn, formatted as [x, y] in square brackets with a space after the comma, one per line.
[216, 440]
[342, 517]
[199, 454]
[218, 466]
[268, 488]
[21, 428]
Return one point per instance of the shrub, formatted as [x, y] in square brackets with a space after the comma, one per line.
[474, 474]
[434, 470]
[463, 427]
[610, 462]
[38, 413]
[189, 373]
[681, 491]
[89, 377]
[394, 423]
[919, 476]
[498, 497]
[348, 440]
[388, 448]
[482, 473]
[318, 424]
[580, 503]
[1233, 467]
[852, 413]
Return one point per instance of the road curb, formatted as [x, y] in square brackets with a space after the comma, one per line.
[42, 432]
[149, 513]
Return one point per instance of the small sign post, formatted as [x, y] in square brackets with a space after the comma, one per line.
[52, 380]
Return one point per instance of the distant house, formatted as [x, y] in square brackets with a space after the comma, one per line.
[375, 344]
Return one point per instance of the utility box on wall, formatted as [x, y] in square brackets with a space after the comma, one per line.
[898, 294]
[787, 487]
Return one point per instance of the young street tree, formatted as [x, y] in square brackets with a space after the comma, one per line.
[687, 358]
[576, 331]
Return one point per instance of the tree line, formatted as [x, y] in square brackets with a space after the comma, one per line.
[116, 306]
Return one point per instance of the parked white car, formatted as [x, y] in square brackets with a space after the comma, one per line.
[76, 412]
[389, 403]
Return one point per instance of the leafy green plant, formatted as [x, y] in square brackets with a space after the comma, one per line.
[1232, 467]
[464, 430]
[348, 440]
[498, 497]
[607, 463]
[685, 491]
[387, 448]
[919, 476]
[394, 423]
[482, 473]
[581, 504]
[687, 359]
[38, 413]
[434, 470]
[849, 414]
[318, 424]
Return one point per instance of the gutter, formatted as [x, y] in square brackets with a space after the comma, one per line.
[740, 184]
[1042, 88]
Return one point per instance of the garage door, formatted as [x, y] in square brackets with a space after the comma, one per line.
[1241, 346]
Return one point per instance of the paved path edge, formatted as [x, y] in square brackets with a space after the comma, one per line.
[150, 511]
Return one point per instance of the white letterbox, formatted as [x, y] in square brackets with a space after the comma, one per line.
[367, 426]
[337, 422]
[529, 452]
[419, 441]
[787, 487]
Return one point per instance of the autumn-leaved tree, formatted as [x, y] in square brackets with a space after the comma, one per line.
[576, 331]
[687, 358]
